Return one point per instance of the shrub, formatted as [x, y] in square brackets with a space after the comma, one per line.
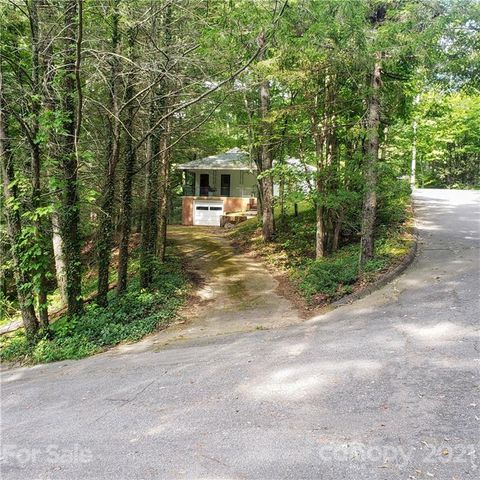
[126, 318]
[326, 275]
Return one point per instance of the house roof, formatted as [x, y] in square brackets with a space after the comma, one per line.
[298, 164]
[234, 159]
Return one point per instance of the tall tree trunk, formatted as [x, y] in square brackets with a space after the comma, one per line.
[320, 221]
[128, 173]
[150, 218]
[325, 150]
[71, 108]
[106, 227]
[337, 230]
[329, 120]
[413, 171]
[163, 191]
[50, 103]
[14, 229]
[35, 163]
[268, 227]
[155, 192]
[164, 143]
[371, 159]
[318, 140]
[281, 194]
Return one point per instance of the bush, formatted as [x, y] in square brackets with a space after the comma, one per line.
[126, 318]
[327, 275]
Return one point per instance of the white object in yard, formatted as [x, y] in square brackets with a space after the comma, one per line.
[207, 212]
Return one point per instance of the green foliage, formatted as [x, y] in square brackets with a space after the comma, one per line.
[127, 318]
[8, 309]
[328, 275]
[334, 276]
[447, 140]
[317, 59]
[320, 281]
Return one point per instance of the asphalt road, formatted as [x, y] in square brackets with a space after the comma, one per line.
[385, 388]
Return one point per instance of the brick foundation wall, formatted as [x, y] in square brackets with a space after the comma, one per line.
[230, 204]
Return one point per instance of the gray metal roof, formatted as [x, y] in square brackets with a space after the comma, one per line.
[234, 159]
[298, 164]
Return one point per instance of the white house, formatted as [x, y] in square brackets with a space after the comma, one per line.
[217, 185]
[226, 183]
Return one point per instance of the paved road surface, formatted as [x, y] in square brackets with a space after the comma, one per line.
[386, 388]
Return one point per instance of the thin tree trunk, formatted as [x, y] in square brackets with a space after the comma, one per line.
[126, 213]
[163, 193]
[106, 226]
[336, 233]
[14, 229]
[69, 212]
[164, 143]
[324, 140]
[150, 218]
[330, 157]
[258, 162]
[268, 227]
[50, 103]
[35, 162]
[371, 159]
[157, 128]
[318, 140]
[281, 195]
[127, 181]
[413, 172]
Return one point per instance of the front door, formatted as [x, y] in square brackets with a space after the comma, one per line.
[225, 185]
[204, 184]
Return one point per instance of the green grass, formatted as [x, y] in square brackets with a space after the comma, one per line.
[127, 318]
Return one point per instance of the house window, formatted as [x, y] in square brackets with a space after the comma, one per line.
[204, 184]
[225, 185]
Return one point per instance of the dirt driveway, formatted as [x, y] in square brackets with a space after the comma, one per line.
[237, 292]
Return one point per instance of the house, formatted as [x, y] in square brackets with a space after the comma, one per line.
[217, 185]
[300, 178]
[222, 184]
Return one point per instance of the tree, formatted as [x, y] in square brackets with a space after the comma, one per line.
[105, 231]
[69, 155]
[266, 153]
[14, 227]
[371, 159]
[130, 155]
[331, 85]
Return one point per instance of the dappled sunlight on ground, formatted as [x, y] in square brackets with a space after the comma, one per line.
[435, 334]
[378, 389]
[298, 382]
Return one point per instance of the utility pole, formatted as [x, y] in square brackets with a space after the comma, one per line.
[413, 168]
[414, 156]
